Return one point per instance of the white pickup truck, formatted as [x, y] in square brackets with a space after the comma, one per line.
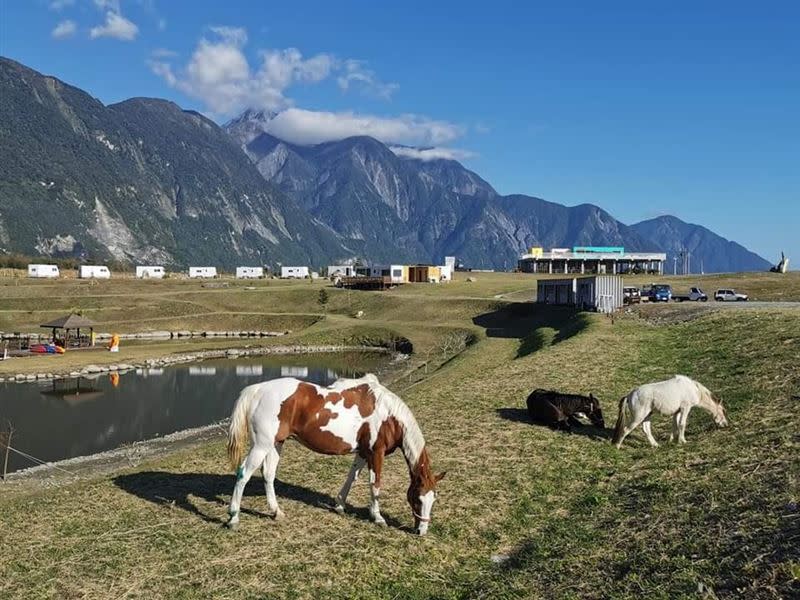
[695, 295]
[729, 295]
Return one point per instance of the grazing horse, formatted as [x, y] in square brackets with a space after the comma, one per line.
[352, 416]
[674, 397]
[558, 410]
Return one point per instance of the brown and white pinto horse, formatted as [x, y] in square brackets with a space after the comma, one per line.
[352, 416]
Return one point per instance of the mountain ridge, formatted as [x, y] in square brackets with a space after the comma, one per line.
[144, 180]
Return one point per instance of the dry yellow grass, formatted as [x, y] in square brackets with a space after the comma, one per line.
[576, 517]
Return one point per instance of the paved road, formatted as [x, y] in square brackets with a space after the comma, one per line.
[743, 305]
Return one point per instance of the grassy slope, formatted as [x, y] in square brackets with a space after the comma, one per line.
[576, 517]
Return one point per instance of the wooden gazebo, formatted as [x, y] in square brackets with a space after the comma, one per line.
[71, 322]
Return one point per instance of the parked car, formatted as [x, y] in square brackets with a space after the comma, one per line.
[695, 295]
[660, 292]
[729, 295]
[631, 295]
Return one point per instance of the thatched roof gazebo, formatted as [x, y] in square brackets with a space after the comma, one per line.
[71, 322]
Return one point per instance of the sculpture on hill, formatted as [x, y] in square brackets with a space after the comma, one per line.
[782, 266]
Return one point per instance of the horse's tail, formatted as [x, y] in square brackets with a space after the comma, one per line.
[239, 429]
[620, 420]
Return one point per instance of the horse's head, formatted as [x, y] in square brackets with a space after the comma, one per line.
[595, 413]
[422, 493]
[719, 412]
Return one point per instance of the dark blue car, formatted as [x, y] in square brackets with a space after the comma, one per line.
[660, 293]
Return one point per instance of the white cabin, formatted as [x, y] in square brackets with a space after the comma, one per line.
[295, 273]
[43, 271]
[143, 272]
[249, 272]
[46, 271]
[446, 273]
[202, 272]
[341, 271]
[93, 272]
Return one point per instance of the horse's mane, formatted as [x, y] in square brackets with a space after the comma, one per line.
[413, 441]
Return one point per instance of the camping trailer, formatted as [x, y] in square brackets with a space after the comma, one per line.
[93, 272]
[341, 271]
[143, 272]
[202, 272]
[43, 271]
[249, 272]
[295, 273]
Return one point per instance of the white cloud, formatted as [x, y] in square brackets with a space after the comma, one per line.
[61, 4]
[65, 29]
[219, 74]
[163, 53]
[221, 77]
[112, 5]
[236, 36]
[355, 73]
[432, 153]
[116, 26]
[307, 127]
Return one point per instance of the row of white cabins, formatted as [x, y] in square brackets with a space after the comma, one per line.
[397, 273]
[148, 272]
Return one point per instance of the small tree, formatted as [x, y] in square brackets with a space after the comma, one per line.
[323, 298]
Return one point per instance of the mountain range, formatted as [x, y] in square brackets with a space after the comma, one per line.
[145, 181]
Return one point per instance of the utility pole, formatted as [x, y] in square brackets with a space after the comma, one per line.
[675, 265]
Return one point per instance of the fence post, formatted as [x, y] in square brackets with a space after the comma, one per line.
[7, 443]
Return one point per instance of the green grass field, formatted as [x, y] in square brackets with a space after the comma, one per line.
[563, 515]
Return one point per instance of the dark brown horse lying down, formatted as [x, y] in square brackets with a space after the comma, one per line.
[558, 410]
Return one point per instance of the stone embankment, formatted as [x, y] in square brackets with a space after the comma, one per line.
[188, 357]
[39, 338]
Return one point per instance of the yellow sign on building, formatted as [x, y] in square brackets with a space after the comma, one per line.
[537, 252]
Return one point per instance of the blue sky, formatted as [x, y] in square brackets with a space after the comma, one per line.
[686, 108]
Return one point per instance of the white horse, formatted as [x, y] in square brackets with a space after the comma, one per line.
[674, 397]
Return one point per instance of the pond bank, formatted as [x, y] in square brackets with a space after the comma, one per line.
[186, 357]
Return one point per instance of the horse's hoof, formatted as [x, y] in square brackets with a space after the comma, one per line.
[339, 509]
[278, 516]
[380, 522]
[232, 525]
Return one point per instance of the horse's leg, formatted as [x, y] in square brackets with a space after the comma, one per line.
[269, 469]
[254, 458]
[648, 432]
[675, 424]
[574, 421]
[355, 470]
[375, 467]
[554, 417]
[684, 419]
[637, 417]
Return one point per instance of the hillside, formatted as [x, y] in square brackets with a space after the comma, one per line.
[393, 207]
[145, 181]
[141, 181]
[708, 251]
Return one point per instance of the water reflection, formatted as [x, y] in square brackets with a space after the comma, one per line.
[76, 417]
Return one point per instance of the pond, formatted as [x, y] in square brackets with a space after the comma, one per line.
[66, 418]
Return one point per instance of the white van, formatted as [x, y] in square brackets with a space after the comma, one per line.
[249, 272]
[43, 271]
[149, 272]
[295, 273]
[93, 272]
[202, 272]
